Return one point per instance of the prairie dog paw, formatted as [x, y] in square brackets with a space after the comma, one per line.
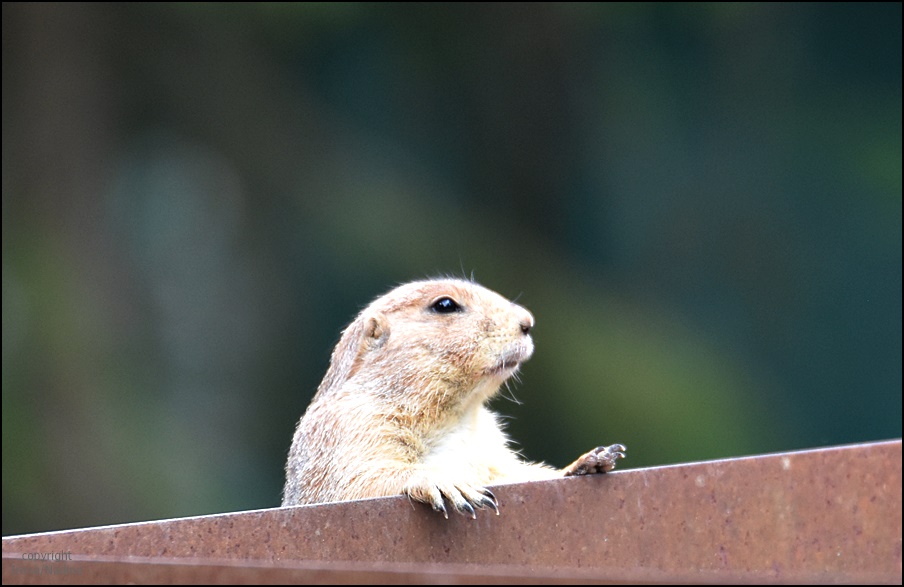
[464, 497]
[602, 459]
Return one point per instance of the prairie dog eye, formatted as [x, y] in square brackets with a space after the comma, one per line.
[445, 305]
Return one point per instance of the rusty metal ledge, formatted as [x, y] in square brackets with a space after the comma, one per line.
[828, 515]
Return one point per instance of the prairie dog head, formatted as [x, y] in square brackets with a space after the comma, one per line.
[447, 336]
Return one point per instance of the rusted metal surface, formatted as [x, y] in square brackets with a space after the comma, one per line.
[828, 515]
[179, 570]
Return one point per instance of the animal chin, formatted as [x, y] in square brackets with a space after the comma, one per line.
[507, 363]
[504, 368]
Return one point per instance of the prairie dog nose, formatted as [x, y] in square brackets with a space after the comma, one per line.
[525, 321]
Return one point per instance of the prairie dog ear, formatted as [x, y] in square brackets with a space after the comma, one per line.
[376, 331]
[365, 334]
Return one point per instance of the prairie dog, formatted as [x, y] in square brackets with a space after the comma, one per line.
[401, 409]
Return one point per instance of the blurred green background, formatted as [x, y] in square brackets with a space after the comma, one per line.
[701, 205]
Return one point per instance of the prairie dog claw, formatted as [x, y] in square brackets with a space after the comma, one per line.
[465, 499]
[602, 459]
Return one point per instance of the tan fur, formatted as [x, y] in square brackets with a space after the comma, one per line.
[401, 408]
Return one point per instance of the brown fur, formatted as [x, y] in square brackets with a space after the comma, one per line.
[401, 407]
